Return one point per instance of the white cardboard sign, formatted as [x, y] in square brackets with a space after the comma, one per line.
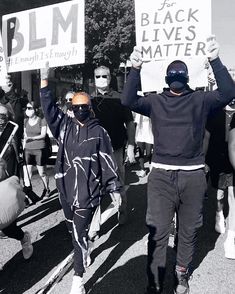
[167, 30]
[53, 33]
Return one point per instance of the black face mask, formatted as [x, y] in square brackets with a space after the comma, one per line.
[81, 111]
[177, 76]
[178, 84]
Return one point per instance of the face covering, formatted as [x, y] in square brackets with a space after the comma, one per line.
[29, 112]
[81, 111]
[68, 105]
[177, 86]
[101, 82]
[177, 76]
[3, 121]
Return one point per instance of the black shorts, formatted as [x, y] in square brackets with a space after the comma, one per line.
[222, 180]
[36, 156]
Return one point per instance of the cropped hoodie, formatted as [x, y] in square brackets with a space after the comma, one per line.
[85, 167]
[178, 122]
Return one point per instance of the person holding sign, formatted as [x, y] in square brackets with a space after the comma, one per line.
[85, 169]
[177, 180]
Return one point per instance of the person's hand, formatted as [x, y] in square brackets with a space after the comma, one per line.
[116, 198]
[136, 58]
[130, 153]
[212, 48]
[44, 72]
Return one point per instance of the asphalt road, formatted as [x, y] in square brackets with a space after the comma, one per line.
[119, 256]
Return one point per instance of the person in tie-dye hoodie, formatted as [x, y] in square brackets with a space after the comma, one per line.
[85, 168]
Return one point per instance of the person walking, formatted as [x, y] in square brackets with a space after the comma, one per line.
[217, 158]
[35, 151]
[144, 141]
[85, 169]
[119, 123]
[177, 180]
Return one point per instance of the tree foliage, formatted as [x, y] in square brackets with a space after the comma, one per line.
[110, 31]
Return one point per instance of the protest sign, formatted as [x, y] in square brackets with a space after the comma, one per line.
[172, 29]
[53, 33]
[3, 70]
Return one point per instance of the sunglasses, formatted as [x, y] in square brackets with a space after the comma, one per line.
[69, 99]
[78, 107]
[29, 107]
[176, 72]
[101, 76]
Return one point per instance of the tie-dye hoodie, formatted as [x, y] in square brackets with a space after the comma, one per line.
[85, 167]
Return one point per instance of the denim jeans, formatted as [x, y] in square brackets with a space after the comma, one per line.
[169, 192]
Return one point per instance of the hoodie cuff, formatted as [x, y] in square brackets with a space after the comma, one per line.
[217, 65]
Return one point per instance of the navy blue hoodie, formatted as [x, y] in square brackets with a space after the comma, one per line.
[178, 122]
[85, 166]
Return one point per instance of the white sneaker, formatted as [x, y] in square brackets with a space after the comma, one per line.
[77, 286]
[27, 247]
[229, 248]
[219, 223]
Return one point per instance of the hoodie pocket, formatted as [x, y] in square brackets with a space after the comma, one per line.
[176, 141]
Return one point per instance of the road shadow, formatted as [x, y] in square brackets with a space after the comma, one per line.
[207, 236]
[46, 208]
[130, 278]
[19, 275]
[124, 236]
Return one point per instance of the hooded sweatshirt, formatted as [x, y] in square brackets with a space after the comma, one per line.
[178, 122]
[85, 167]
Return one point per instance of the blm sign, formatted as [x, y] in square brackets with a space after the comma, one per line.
[53, 33]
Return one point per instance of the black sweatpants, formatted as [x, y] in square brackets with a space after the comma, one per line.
[78, 221]
[170, 191]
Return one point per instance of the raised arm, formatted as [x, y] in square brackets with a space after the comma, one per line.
[130, 97]
[226, 86]
[53, 115]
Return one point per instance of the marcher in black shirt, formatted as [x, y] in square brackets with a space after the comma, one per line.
[177, 181]
[118, 121]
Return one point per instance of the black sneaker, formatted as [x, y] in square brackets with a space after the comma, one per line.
[45, 194]
[153, 290]
[31, 194]
[181, 282]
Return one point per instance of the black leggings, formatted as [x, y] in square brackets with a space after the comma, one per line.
[78, 221]
[13, 231]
